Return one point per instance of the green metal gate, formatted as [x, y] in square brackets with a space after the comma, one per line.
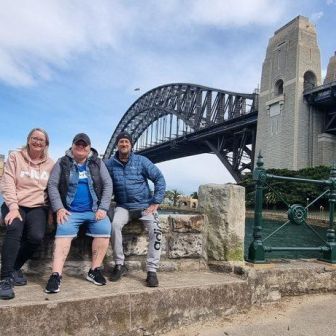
[297, 214]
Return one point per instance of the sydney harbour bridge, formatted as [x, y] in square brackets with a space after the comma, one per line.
[292, 120]
[179, 120]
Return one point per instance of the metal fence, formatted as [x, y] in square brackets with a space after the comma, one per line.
[297, 214]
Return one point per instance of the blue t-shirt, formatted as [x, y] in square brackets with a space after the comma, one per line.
[83, 199]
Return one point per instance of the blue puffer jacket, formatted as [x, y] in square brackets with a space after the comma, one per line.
[130, 182]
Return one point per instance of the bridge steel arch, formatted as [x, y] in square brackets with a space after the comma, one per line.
[178, 120]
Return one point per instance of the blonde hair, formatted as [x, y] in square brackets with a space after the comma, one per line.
[45, 152]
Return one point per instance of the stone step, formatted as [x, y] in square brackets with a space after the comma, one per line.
[126, 307]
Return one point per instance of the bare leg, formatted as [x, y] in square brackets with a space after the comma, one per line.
[61, 251]
[99, 248]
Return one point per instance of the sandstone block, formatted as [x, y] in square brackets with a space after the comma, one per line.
[167, 266]
[135, 245]
[164, 223]
[224, 206]
[134, 227]
[185, 246]
[187, 223]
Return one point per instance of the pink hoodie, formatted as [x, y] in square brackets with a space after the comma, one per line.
[24, 182]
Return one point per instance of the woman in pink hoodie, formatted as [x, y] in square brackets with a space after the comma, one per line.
[25, 210]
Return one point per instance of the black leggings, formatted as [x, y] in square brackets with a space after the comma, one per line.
[22, 238]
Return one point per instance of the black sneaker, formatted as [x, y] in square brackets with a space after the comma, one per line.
[96, 277]
[152, 280]
[19, 278]
[6, 289]
[54, 283]
[118, 272]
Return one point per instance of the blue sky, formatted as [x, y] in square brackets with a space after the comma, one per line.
[72, 66]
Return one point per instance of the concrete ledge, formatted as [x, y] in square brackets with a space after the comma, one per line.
[129, 308]
[123, 308]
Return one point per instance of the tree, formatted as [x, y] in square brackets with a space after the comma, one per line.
[291, 192]
[173, 195]
[194, 195]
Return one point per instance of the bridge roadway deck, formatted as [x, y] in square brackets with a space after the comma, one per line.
[129, 308]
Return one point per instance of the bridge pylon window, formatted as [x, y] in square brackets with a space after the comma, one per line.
[278, 89]
[309, 80]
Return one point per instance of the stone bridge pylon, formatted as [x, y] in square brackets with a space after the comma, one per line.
[290, 130]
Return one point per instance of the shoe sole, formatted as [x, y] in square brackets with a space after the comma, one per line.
[54, 291]
[148, 285]
[20, 283]
[122, 275]
[7, 297]
[51, 292]
[94, 282]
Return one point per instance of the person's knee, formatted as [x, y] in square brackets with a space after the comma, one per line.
[62, 244]
[117, 225]
[36, 239]
[15, 230]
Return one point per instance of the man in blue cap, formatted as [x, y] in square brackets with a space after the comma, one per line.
[80, 191]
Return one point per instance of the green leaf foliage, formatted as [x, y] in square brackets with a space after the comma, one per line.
[278, 194]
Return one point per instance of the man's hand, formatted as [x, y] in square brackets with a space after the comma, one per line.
[62, 215]
[100, 214]
[12, 214]
[151, 209]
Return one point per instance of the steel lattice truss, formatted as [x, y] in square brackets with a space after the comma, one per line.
[178, 120]
[324, 98]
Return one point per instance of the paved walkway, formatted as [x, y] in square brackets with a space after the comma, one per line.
[308, 315]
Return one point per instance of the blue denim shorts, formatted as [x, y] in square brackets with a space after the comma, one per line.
[94, 228]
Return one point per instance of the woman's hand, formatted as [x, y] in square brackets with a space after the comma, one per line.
[12, 214]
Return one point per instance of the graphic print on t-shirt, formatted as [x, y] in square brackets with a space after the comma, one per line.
[82, 200]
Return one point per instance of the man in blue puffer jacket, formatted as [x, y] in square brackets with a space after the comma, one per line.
[130, 174]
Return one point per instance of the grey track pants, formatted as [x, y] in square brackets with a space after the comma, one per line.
[122, 217]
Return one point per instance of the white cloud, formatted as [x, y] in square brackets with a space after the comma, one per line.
[236, 12]
[11, 73]
[39, 36]
[36, 35]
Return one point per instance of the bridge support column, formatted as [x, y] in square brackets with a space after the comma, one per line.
[287, 131]
[326, 149]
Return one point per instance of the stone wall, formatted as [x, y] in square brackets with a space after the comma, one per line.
[183, 243]
[189, 240]
[183, 246]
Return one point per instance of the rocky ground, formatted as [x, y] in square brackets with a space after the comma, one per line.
[307, 315]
